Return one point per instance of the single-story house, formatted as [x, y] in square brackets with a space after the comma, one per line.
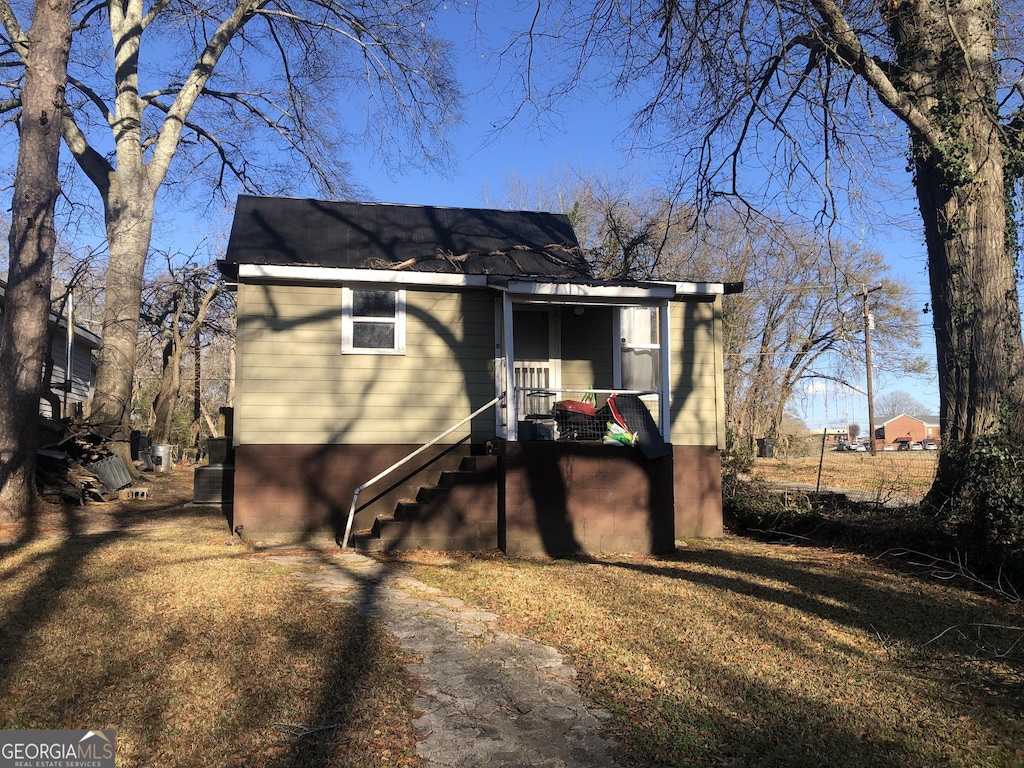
[545, 412]
[71, 395]
[912, 429]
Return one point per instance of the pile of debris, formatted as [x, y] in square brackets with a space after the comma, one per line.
[75, 465]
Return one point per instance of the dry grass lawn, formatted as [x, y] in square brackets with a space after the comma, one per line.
[730, 653]
[888, 476]
[198, 653]
[737, 653]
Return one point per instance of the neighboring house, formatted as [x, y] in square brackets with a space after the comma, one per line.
[72, 396]
[911, 429]
[366, 331]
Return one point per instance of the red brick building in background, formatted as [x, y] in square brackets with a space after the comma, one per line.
[911, 429]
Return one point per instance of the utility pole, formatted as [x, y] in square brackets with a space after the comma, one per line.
[869, 323]
[197, 348]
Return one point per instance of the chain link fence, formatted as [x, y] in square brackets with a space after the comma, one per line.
[890, 477]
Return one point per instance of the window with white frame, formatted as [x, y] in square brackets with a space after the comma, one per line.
[640, 348]
[372, 321]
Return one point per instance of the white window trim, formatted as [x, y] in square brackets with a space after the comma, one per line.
[347, 322]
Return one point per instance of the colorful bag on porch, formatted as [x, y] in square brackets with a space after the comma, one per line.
[616, 434]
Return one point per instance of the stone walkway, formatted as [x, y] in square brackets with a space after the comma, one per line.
[487, 698]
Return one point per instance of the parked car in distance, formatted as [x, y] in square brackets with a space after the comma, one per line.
[888, 447]
[916, 447]
[930, 446]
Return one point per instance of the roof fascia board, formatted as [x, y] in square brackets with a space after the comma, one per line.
[648, 290]
[81, 332]
[306, 274]
[568, 290]
[699, 289]
[538, 289]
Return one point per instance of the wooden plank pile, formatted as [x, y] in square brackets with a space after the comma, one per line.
[71, 467]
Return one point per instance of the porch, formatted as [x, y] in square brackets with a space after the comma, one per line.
[579, 344]
[536, 499]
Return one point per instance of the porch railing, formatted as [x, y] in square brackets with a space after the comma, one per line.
[406, 460]
[533, 381]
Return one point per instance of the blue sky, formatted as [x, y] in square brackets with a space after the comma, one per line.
[589, 134]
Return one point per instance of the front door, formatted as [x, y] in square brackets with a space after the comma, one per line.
[536, 339]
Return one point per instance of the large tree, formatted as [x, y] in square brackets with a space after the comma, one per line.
[263, 94]
[798, 99]
[32, 242]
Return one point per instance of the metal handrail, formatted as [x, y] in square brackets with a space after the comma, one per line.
[400, 462]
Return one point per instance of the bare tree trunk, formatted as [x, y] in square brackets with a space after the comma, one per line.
[129, 225]
[176, 342]
[961, 191]
[167, 398]
[197, 382]
[763, 384]
[214, 430]
[32, 241]
[976, 315]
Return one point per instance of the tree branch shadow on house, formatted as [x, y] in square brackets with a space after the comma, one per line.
[327, 487]
[550, 496]
[708, 488]
[477, 386]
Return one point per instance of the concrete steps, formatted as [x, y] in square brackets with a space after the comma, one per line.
[460, 512]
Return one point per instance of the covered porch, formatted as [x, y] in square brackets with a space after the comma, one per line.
[560, 344]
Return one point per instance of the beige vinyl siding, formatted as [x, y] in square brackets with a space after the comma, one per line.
[698, 399]
[294, 385]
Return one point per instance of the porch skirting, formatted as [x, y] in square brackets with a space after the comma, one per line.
[550, 498]
[564, 498]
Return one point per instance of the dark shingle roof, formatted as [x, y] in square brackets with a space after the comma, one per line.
[293, 231]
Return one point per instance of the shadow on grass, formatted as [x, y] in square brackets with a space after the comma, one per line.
[61, 569]
[38, 603]
[356, 655]
[969, 649]
[846, 598]
[173, 671]
[760, 725]
[753, 685]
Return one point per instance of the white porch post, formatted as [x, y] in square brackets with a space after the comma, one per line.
[665, 349]
[511, 401]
